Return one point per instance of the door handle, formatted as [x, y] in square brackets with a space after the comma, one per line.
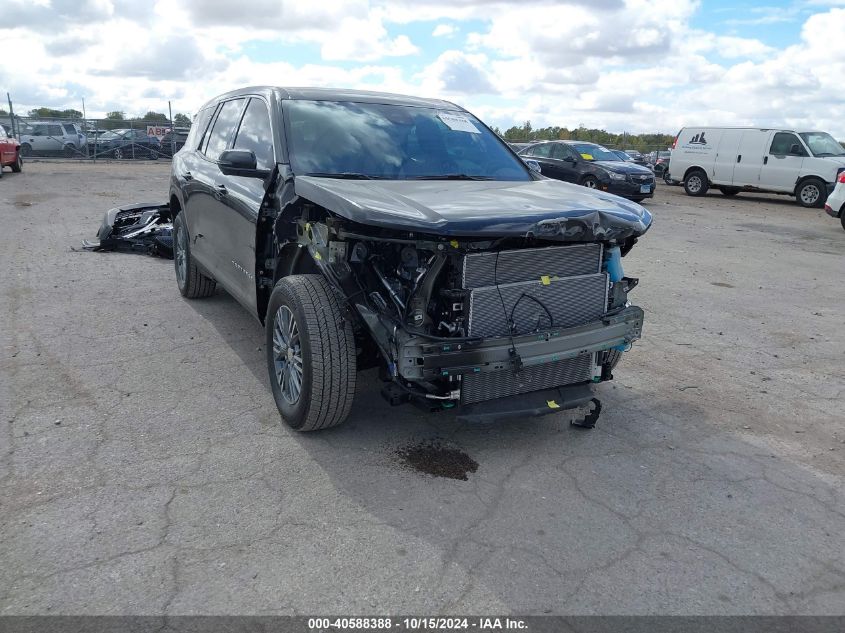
[765, 160]
[187, 175]
[739, 158]
[220, 191]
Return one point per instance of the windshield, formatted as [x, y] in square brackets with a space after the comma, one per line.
[371, 140]
[822, 144]
[591, 151]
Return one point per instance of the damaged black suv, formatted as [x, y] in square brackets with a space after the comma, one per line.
[375, 230]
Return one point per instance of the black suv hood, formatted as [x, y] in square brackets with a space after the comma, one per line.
[544, 208]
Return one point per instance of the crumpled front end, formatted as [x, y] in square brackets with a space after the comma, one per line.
[502, 327]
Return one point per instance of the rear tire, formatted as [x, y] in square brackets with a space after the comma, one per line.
[842, 219]
[310, 353]
[729, 191]
[191, 282]
[696, 183]
[17, 166]
[812, 193]
[118, 153]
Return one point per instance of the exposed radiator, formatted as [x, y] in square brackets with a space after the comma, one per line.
[500, 384]
[538, 289]
[482, 269]
[533, 305]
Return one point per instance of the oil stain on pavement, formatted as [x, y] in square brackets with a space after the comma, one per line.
[431, 457]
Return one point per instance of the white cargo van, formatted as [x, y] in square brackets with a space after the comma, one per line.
[800, 164]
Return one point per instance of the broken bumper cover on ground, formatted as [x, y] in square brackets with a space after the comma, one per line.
[139, 228]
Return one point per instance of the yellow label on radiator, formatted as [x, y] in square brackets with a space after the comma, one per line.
[454, 243]
[546, 280]
[552, 404]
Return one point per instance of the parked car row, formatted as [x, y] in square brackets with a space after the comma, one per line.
[58, 138]
[592, 166]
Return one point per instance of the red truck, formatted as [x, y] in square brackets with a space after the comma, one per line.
[10, 152]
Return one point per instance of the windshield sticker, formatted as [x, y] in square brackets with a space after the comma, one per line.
[587, 156]
[458, 123]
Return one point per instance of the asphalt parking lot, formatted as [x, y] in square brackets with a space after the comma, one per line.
[144, 468]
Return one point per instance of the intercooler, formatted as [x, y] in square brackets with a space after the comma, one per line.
[524, 291]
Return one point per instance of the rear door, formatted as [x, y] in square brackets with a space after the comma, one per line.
[727, 157]
[750, 157]
[543, 154]
[782, 163]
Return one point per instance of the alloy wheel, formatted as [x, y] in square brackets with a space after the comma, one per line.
[181, 257]
[287, 354]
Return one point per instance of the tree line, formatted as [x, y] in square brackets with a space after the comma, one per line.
[642, 142]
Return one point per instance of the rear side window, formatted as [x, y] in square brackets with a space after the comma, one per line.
[197, 133]
[69, 129]
[255, 134]
[543, 151]
[223, 128]
[783, 142]
[55, 130]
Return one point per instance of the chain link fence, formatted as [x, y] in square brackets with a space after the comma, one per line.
[95, 139]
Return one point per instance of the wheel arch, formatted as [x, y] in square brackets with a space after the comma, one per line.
[693, 168]
[804, 179]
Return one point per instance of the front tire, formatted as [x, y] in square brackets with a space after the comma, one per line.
[696, 183]
[729, 191]
[191, 282]
[26, 149]
[310, 353]
[590, 182]
[17, 166]
[812, 193]
[118, 153]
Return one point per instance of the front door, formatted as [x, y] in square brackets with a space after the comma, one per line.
[782, 164]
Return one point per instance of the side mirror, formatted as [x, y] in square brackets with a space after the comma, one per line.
[795, 150]
[240, 162]
[570, 159]
[533, 165]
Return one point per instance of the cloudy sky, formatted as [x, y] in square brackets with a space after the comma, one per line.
[623, 65]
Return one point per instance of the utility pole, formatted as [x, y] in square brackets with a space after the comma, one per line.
[11, 113]
[172, 130]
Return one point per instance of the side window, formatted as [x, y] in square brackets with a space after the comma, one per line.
[69, 129]
[543, 151]
[55, 130]
[198, 126]
[224, 126]
[255, 133]
[560, 151]
[783, 142]
[2, 132]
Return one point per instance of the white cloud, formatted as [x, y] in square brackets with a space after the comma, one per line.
[444, 30]
[635, 65]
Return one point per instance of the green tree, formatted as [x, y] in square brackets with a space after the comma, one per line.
[153, 117]
[182, 120]
[114, 120]
[52, 113]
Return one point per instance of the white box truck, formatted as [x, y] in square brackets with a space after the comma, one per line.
[801, 164]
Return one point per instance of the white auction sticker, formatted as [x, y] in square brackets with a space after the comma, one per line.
[458, 122]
